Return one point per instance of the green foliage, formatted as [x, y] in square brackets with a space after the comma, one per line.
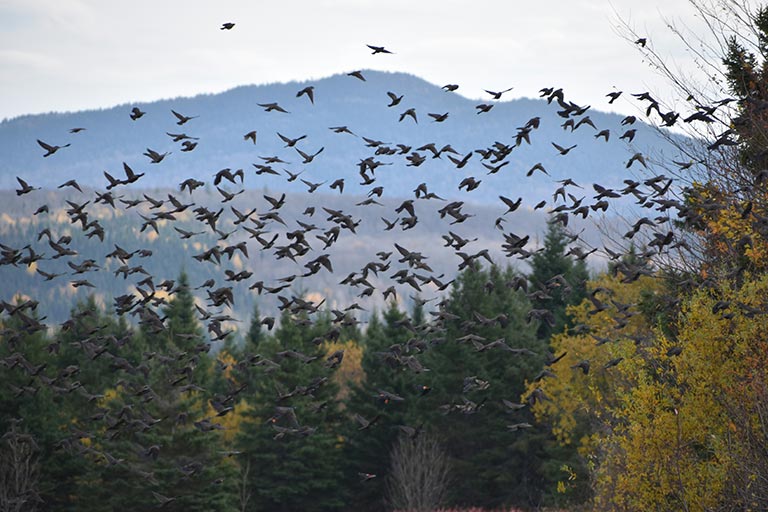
[491, 465]
[367, 449]
[295, 456]
[255, 332]
[552, 263]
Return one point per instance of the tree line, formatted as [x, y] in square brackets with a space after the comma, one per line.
[315, 413]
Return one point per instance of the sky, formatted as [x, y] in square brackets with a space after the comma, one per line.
[83, 54]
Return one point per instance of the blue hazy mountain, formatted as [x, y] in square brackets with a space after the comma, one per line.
[112, 137]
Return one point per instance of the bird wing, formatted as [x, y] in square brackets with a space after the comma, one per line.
[45, 146]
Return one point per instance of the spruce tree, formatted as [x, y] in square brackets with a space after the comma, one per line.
[557, 280]
[492, 466]
[255, 331]
[160, 437]
[291, 439]
[368, 448]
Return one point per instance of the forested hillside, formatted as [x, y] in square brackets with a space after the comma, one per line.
[112, 138]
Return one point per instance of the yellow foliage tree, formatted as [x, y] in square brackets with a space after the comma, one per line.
[350, 371]
[675, 424]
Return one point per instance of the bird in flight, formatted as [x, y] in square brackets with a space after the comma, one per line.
[182, 118]
[497, 95]
[26, 188]
[136, 113]
[269, 107]
[289, 142]
[378, 49]
[395, 99]
[439, 118]
[227, 26]
[483, 108]
[309, 91]
[614, 96]
[357, 74]
[49, 148]
[562, 150]
[155, 156]
[250, 136]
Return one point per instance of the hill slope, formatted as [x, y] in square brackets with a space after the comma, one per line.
[111, 137]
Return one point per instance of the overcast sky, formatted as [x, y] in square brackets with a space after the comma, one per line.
[63, 55]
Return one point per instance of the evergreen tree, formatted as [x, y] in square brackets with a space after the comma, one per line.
[183, 329]
[291, 441]
[27, 396]
[417, 312]
[492, 466]
[557, 280]
[255, 331]
[159, 436]
[368, 448]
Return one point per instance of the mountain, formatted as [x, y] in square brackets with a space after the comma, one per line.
[170, 253]
[112, 137]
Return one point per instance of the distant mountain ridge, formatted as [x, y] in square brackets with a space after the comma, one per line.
[111, 138]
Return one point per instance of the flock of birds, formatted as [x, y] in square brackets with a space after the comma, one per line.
[306, 241]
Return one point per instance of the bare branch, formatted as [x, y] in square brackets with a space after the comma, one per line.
[419, 473]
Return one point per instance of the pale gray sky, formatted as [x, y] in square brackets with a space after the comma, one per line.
[63, 55]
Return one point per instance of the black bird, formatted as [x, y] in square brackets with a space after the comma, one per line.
[188, 145]
[338, 184]
[307, 157]
[562, 150]
[394, 99]
[227, 26]
[603, 133]
[364, 423]
[269, 107]
[177, 137]
[411, 112]
[250, 136]
[497, 95]
[182, 118]
[583, 366]
[49, 148]
[377, 49]
[439, 118]
[161, 499]
[309, 91]
[289, 143]
[312, 186]
[71, 183]
[629, 135]
[155, 156]
[511, 205]
[341, 129]
[136, 113]
[26, 188]
[614, 96]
